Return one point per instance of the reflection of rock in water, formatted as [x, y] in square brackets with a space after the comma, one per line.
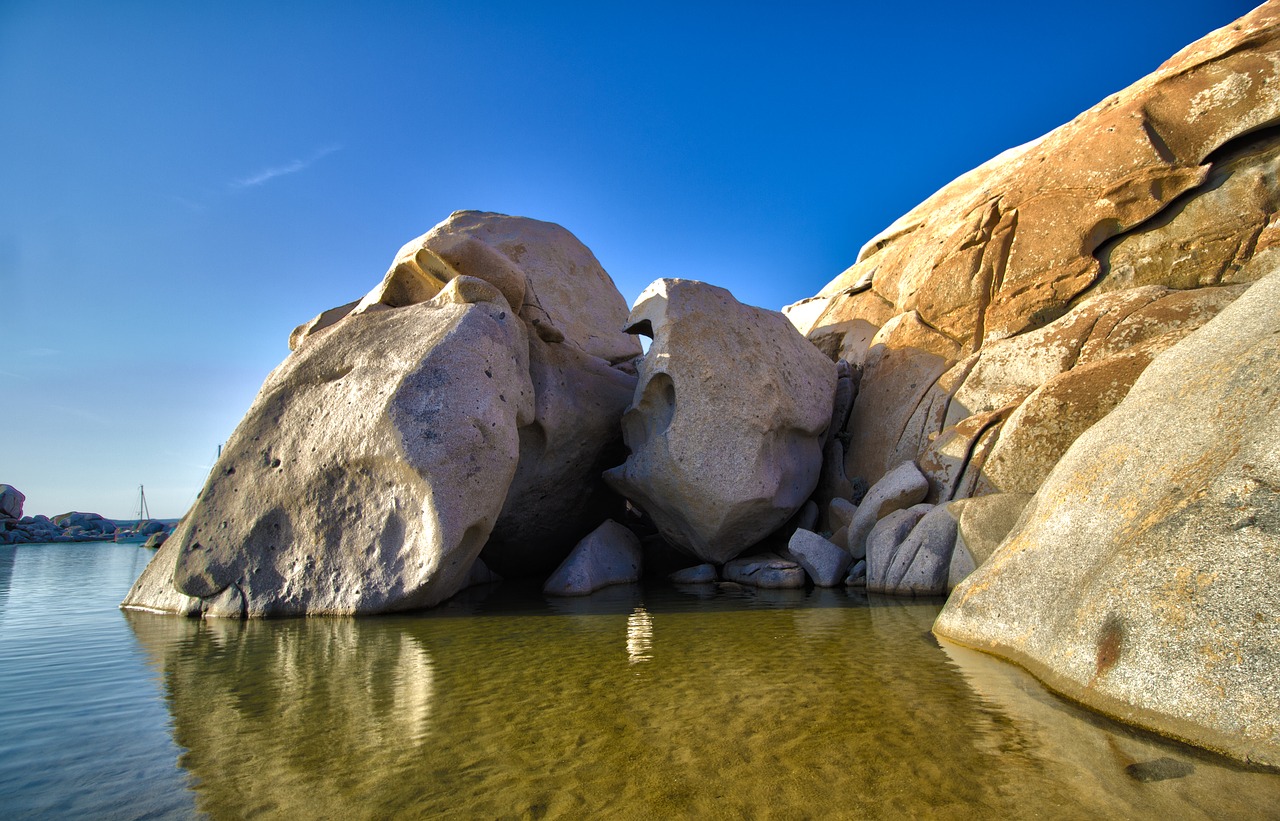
[1113, 765]
[743, 707]
[264, 707]
[6, 574]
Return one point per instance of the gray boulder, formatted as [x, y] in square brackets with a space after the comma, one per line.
[727, 424]
[885, 538]
[919, 565]
[11, 500]
[900, 488]
[823, 561]
[767, 570]
[368, 473]
[1141, 578]
[609, 555]
[698, 574]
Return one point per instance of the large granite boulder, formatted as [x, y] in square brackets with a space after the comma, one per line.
[574, 315]
[1013, 309]
[415, 427]
[368, 473]
[11, 501]
[1141, 578]
[726, 430]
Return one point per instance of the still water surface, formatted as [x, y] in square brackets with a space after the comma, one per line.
[633, 703]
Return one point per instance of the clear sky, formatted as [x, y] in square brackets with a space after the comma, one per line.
[182, 183]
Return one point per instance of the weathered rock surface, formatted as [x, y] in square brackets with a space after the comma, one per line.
[982, 523]
[610, 554]
[1162, 521]
[723, 450]
[11, 500]
[1090, 249]
[368, 473]
[824, 562]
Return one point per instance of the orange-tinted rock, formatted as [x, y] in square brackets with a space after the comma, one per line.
[1132, 221]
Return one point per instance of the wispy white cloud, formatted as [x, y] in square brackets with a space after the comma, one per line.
[42, 352]
[268, 174]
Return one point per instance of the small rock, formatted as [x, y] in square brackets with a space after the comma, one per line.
[610, 554]
[840, 513]
[857, 574]
[823, 561]
[765, 570]
[698, 574]
[1159, 769]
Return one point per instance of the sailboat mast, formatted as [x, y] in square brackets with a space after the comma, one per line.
[144, 515]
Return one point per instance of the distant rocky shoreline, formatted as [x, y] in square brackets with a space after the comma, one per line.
[1049, 391]
[74, 526]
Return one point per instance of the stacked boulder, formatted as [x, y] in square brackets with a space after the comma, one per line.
[727, 427]
[460, 412]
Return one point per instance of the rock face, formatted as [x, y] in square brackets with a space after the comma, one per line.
[609, 555]
[1163, 523]
[11, 500]
[1011, 310]
[726, 428]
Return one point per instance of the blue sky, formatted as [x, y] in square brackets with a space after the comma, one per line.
[182, 183]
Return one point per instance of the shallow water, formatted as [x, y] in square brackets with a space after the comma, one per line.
[633, 703]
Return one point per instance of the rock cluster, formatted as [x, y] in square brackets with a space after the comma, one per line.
[467, 403]
[1052, 384]
[66, 527]
[464, 410]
